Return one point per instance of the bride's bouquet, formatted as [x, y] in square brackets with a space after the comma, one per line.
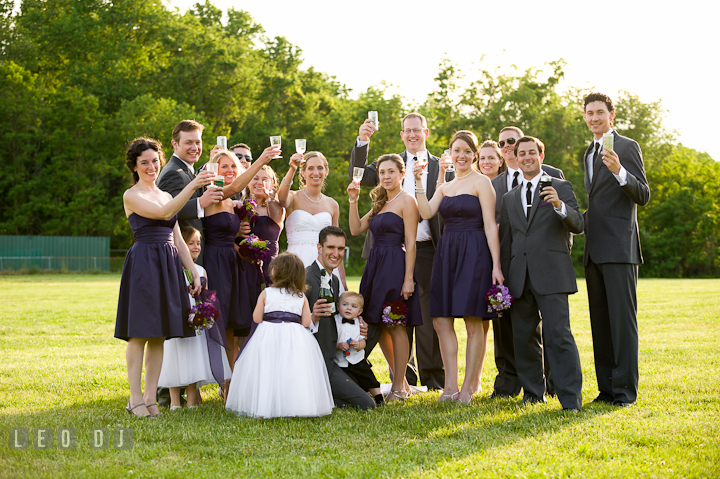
[246, 210]
[253, 248]
[395, 313]
[498, 299]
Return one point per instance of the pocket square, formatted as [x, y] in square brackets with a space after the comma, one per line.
[543, 205]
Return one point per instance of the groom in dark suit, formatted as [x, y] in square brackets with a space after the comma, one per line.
[414, 133]
[331, 249]
[506, 381]
[535, 229]
[616, 183]
[180, 171]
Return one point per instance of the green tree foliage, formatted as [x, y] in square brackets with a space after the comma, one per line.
[80, 79]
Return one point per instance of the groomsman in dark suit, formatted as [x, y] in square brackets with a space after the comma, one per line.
[179, 172]
[616, 183]
[506, 381]
[414, 132]
[535, 229]
[331, 249]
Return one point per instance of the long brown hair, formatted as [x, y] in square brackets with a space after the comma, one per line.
[288, 272]
[379, 194]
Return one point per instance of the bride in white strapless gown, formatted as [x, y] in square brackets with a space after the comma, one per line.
[309, 210]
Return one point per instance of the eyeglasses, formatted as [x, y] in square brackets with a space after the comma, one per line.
[417, 131]
[510, 141]
[240, 157]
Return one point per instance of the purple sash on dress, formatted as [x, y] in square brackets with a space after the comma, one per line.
[216, 340]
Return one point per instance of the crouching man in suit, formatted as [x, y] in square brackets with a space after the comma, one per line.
[331, 250]
[535, 229]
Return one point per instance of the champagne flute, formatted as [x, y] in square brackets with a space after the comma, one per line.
[276, 141]
[422, 159]
[222, 142]
[450, 168]
[267, 188]
[358, 175]
[300, 146]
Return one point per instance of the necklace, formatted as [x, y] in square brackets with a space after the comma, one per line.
[314, 201]
[390, 201]
[468, 174]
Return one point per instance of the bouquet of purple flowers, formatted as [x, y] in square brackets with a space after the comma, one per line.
[395, 313]
[498, 299]
[253, 248]
[247, 210]
[203, 314]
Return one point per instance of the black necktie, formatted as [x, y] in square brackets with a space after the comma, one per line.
[595, 157]
[528, 197]
[515, 179]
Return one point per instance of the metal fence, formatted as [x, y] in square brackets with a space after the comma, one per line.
[59, 253]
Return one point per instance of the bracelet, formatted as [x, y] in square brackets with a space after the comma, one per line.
[419, 190]
[286, 184]
[351, 201]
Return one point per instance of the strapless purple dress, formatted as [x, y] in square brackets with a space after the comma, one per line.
[223, 265]
[462, 267]
[384, 272]
[153, 300]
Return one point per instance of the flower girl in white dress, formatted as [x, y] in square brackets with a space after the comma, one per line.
[186, 361]
[280, 371]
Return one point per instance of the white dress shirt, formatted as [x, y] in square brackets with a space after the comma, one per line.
[621, 176]
[200, 210]
[348, 331]
[562, 211]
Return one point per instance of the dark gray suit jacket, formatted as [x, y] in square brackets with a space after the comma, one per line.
[174, 177]
[500, 185]
[611, 227]
[327, 329]
[539, 246]
[358, 159]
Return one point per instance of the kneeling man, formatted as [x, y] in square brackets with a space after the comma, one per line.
[535, 229]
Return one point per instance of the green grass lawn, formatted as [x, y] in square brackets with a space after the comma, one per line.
[61, 367]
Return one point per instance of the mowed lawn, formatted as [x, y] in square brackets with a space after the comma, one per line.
[62, 368]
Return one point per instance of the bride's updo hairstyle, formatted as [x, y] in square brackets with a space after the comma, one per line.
[309, 156]
[288, 273]
[379, 194]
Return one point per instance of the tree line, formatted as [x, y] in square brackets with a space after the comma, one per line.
[78, 80]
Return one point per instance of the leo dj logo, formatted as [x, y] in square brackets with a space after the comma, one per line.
[44, 438]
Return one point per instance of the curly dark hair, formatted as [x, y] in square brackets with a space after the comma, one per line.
[136, 148]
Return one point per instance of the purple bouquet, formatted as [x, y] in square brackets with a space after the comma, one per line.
[395, 313]
[498, 299]
[247, 210]
[253, 248]
[203, 314]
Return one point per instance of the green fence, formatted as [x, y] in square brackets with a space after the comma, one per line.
[66, 253]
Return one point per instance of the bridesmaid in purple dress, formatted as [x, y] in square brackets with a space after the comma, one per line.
[466, 264]
[153, 300]
[262, 189]
[389, 272]
[221, 227]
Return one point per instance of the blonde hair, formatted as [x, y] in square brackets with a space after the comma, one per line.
[215, 157]
[379, 194]
[308, 156]
[273, 177]
[353, 295]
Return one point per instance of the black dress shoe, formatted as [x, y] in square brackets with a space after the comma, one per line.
[622, 403]
[602, 399]
[532, 400]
